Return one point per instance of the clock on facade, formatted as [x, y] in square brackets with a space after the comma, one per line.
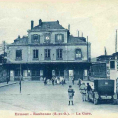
[47, 37]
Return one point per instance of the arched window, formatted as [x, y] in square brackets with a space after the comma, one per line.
[78, 54]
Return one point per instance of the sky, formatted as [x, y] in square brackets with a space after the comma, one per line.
[97, 19]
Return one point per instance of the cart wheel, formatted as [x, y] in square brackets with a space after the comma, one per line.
[95, 101]
[114, 102]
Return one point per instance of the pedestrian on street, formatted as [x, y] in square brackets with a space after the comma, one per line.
[58, 80]
[53, 79]
[73, 80]
[71, 94]
[89, 89]
[7, 79]
[79, 82]
[62, 80]
[83, 91]
[45, 81]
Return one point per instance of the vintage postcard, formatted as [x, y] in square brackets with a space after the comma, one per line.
[58, 58]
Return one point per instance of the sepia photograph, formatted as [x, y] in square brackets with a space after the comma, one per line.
[58, 58]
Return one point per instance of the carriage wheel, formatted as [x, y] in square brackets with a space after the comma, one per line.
[95, 101]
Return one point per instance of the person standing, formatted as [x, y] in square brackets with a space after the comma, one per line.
[79, 82]
[62, 80]
[89, 89]
[83, 91]
[53, 79]
[71, 94]
[72, 80]
[45, 81]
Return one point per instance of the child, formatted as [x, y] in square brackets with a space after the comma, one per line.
[70, 94]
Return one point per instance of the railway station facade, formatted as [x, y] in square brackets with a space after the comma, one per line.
[48, 50]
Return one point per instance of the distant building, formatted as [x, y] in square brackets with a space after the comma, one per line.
[111, 65]
[48, 50]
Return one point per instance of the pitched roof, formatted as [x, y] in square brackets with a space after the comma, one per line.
[73, 39]
[49, 25]
[116, 53]
[19, 40]
[104, 56]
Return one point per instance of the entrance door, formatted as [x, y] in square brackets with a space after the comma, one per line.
[11, 75]
[71, 75]
[48, 73]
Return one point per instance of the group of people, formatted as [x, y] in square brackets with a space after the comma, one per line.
[84, 90]
[55, 80]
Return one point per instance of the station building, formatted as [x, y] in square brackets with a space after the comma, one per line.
[48, 50]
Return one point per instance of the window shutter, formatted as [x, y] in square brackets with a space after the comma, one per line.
[56, 38]
[21, 54]
[81, 54]
[38, 38]
[36, 53]
[62, 37]
[56, 53]
[33, 53]
[32, 38]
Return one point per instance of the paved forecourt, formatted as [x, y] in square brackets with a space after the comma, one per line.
[36, 97]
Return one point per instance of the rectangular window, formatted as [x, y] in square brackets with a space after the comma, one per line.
[59, 38]
[112, 64]
[18, 54]
[78, 54]
[35, 54]
[47, 53]
[59, 53]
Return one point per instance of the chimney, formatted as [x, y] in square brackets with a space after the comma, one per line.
[69, 27]
[82, 34]
[78, 33]
[32, 24]
[18, 36]
[40, 22]
[57, 21]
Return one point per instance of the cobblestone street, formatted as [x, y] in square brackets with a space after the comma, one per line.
[36, 97]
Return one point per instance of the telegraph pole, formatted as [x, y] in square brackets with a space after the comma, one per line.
[20, 78]
[4, 47]
[87, 50]
[116, 42]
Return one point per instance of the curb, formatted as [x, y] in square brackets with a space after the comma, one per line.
[7, 84]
